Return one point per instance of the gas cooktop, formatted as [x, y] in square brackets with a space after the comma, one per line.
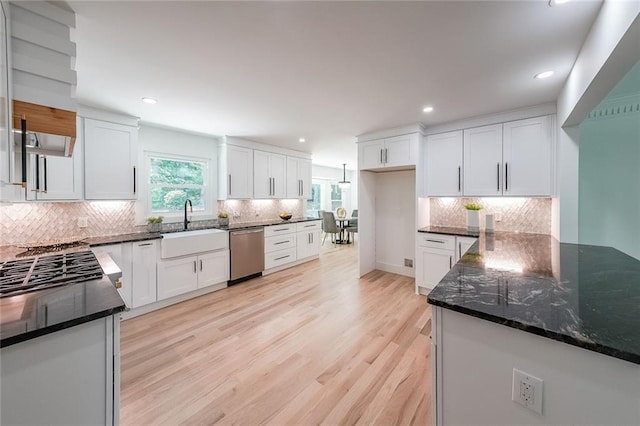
[21, 276]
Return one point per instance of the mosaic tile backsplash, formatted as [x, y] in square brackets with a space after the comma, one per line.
[34, 222]
[528, 215]
[25, 223]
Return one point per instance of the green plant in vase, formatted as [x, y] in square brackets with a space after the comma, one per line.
[473, 216]
[154, 224]
[223, 218]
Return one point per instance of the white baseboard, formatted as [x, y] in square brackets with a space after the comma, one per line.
[424, 290]
[172, 301]
[395, 269]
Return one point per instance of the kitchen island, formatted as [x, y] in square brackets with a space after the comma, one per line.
[59, 341]
[565, 313]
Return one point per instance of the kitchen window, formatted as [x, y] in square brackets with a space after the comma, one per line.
[173, 180]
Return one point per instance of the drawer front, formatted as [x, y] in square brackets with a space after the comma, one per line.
[308, 226]
[279, 242]
[281, 257]
[270, 231]
[443, 242]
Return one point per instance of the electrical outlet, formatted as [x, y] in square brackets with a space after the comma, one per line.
[82, 222]
[408, 263]
[236, 214]
[497, 217]
[527, 390]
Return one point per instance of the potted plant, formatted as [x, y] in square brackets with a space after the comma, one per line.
[154, 224]
[223, 219]
[473, 216]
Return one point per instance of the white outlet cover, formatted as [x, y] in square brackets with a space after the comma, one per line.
[527, 390]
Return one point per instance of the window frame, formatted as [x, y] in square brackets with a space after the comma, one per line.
[210, 203]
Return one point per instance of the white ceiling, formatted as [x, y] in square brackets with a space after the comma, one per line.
[326, 71]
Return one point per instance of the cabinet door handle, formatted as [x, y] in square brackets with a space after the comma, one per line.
[201, 266]
[195, 270]
[229, 185]
[436, 241]
[386, 155]
[459, 178]
[506, 176]
[23, 146]
[381, 159]
[498, 176]
[44, 166]
[37, 173]
[134, 179]
[450, 262]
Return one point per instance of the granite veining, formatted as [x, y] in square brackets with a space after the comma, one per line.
[586, 296]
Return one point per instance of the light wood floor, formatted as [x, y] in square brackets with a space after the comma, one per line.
[309, 345]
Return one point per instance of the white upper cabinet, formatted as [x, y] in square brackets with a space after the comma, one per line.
[269, 175]
[397, 151]
[57, 178]
[527, 156]
[110, 156]
[370, 154]
[483, 161]
[444, 164]
[510, 159]
[298, 178]
[235, 167]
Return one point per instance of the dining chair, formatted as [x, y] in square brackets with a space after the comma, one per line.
[329, 227]
[354, 219]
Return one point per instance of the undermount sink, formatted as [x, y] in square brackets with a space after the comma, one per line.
[193, 242]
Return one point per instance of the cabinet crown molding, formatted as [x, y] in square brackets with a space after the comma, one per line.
[246, 143]
[395, 131]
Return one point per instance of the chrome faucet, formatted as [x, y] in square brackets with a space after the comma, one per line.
[186, 221]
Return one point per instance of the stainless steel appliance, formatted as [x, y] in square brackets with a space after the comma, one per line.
[247, 254]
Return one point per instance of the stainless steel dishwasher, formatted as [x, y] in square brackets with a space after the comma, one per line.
[247, 254]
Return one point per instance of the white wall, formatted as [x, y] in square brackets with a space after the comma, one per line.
[395, 207]
[579, 386]
[153, 139]
[610, 178]
[333, 174]
[609, 51]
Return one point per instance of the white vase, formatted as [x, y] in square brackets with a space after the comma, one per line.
[473, 220]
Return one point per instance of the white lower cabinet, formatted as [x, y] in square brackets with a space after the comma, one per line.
[184, 274]
[436, 254]
[213, 268]
[279, 245]
[279, 258]
[308, 239]
[144, 260]
[137, 261]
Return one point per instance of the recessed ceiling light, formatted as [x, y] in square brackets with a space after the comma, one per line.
[302, 140]
[554, 2]
[150, 101]
[545, 74]
[427, 109]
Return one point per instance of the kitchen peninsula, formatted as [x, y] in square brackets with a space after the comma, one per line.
[568, 314]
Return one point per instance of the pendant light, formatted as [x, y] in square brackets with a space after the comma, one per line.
[344, 183]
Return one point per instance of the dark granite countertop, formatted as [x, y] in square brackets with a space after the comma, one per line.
[242, 225]
[445, 230]
[586, 296]
[41, 312]
[122, 238]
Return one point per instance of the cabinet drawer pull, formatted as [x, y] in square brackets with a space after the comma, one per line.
[435, 241]
[145, 244]
[280, 230]
[281, 242]
[282, 257]
[309, 226]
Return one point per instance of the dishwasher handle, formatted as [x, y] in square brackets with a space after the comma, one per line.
[247, 231]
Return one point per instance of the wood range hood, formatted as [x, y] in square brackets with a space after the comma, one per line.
[51, 131]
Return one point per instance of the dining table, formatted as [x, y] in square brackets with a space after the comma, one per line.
[342, 225]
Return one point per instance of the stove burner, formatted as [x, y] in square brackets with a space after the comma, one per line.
[21, 276]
